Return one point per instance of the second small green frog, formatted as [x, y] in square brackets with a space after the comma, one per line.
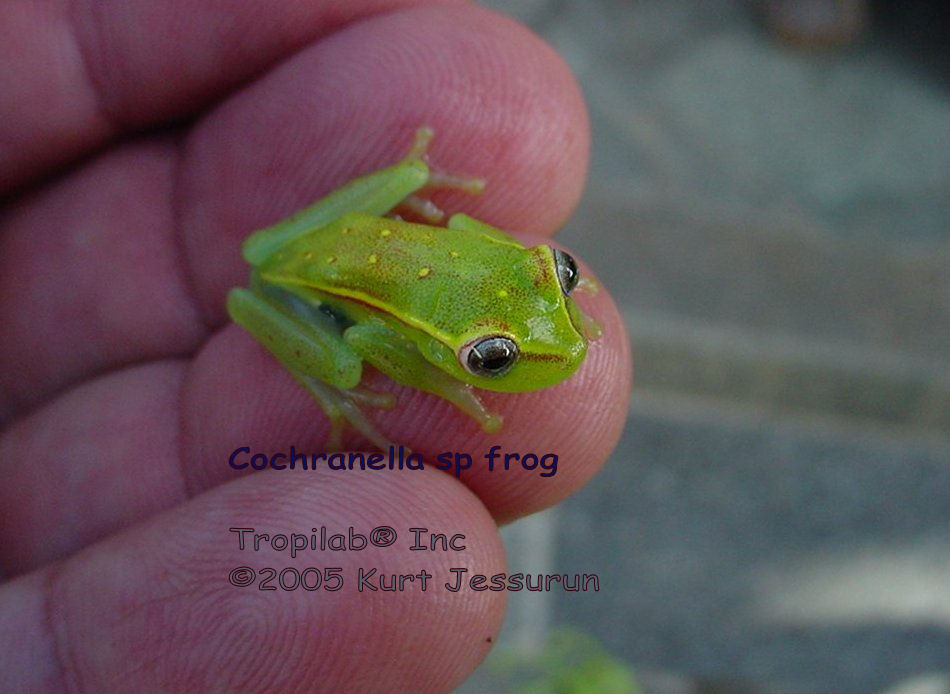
[441, 309]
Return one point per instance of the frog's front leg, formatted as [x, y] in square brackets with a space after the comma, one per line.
[342, 406]
[462, 222]
[398, 357]
[376, 194]
[313, 350]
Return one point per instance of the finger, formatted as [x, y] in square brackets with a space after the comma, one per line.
[91, 277]
[135, 252]
[152, 609]
[77, 74]
[97, 459]
[120, 448]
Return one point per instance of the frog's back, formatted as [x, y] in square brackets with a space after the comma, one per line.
[437, 278]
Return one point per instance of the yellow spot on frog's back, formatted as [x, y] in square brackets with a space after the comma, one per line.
[424, 272]
[502, 294]
[372, 259]
[384, 232]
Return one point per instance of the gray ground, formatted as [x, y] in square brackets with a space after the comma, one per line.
[775, 225]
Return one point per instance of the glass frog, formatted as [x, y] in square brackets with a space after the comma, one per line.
[441, 309]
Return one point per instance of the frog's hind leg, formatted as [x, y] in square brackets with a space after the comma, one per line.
[308, 342]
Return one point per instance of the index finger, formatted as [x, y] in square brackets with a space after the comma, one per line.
[77, 74]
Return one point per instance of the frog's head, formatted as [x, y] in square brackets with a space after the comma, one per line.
[533, 335]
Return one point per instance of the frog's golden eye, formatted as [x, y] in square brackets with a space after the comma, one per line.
[489, 356]
[567, 273]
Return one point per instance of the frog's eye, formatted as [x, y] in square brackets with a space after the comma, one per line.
[567, 273]
[489, 356]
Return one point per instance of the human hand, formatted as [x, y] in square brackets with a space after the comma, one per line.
[123, 389]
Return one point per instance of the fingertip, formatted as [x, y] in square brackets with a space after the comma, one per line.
[176, 604]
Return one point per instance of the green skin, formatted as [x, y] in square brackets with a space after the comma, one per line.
[338, 284]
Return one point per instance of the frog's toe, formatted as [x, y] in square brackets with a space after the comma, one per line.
[440, 179]
[370, 398]
[343, 406]
[358, 421]
[335, 437]
[421, 207]
[588, 285]
[491, 423]
[420, 145]
[463, 396]
[426, 209]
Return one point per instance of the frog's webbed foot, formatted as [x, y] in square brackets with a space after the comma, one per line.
[423, 207]
[343, 406]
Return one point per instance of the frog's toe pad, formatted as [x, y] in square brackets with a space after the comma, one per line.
[492, 422]
[439, 179]
[426, 209]
[371, 398]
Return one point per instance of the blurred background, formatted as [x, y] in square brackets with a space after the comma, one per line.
[769, 203]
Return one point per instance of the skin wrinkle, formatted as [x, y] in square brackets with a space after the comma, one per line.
[56, 632]
[183, 427]
[179, 431]
[110, 119]
[185, 270]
